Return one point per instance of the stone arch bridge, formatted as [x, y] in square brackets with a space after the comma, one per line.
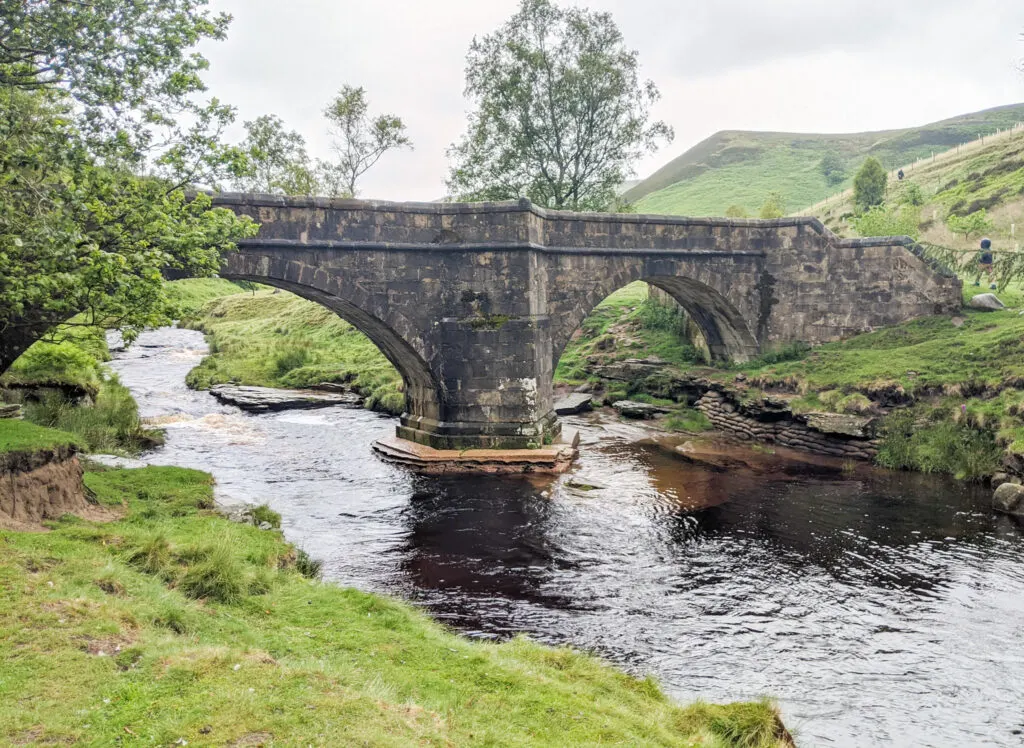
[474, 303]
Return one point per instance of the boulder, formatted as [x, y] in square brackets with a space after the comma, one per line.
[1009, 498]
[10, 411]
[986, 301]
[577, 402]
[633, 409]
[263, 399]
[858, 427]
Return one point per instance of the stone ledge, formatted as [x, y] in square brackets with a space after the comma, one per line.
[556, 458]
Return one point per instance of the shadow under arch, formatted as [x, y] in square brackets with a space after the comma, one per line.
[725, 331]
[423, 395]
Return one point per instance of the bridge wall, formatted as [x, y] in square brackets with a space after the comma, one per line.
[474, 303]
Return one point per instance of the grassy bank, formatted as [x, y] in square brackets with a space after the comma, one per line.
[276, 339]
[173, 625]
[62, 383]
[949, 392]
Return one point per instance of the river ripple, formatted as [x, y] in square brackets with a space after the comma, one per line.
[878, 608]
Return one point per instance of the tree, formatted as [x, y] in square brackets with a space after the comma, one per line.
[736, 211]
[832, 168]
[869, 185]
[974, 224]
[276, 160]
[774, 206]
[560, 113]
[359, 140]
[912, 194]
[92, 94]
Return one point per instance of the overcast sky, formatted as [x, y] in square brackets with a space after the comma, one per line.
[792, 65]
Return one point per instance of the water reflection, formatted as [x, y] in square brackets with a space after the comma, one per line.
[880, 608]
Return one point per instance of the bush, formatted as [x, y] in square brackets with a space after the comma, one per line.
[290, 359]
[264, 513]
[308, 566]
[937, 445]
[111, 424]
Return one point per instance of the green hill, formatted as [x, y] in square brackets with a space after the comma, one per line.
[741, 167]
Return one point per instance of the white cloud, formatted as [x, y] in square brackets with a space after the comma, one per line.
[801, 65]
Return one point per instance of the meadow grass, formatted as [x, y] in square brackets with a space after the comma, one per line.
[22, 436]
[173, 624]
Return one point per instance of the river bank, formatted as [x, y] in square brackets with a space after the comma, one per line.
[214, 621]
[941, 394]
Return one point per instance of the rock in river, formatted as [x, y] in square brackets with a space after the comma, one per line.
[262, 399]
[1009, 498]
[633, 409]
[577, 402]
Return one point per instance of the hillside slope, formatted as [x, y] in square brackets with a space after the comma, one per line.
[741, 167]
[988, 176]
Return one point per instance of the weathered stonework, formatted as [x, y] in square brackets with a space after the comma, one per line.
[474, 303]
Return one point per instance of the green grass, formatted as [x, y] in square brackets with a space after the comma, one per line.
[22, 436]
[191, 295]
[65, 385]
[741, 168]
[280, 340]
[71, 357]
[175, 625]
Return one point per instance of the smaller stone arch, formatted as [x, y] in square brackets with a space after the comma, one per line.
[726, 332]
[724, 328]
[423, 393]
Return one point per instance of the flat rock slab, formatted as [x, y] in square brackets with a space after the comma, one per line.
[264, 399]
[986, 301]
[556, 458]
[577, 402]
[633, 409]
[858, 427]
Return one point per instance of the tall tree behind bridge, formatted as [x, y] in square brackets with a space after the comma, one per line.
[869, 185]
[359, 139]
[93, 94]
[561, 113]
[276, 161]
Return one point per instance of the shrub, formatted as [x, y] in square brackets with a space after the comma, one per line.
[264, 513]
[938, 445]
[290, 359]
[308, 566]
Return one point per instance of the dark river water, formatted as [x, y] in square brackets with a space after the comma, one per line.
[877, 608]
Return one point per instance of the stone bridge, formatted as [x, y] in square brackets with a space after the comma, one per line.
[474, 303]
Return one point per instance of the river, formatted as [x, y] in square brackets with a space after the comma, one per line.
[877, 608]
